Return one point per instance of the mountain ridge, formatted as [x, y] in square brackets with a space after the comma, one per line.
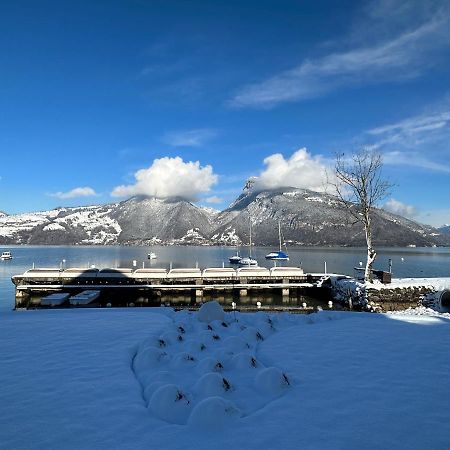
[306, 217]
[445, 229]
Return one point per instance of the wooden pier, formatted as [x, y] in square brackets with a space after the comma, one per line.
[183, 287]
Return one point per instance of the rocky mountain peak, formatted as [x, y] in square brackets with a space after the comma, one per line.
[249, 185]
[306, 217]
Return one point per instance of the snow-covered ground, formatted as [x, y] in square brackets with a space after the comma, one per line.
[439, 284]
[153, 378]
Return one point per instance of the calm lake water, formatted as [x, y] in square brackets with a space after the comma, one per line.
[406, 262]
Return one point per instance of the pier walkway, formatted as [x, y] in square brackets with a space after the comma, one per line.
[153, 286]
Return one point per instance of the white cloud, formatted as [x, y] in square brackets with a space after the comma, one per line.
[189, 138]
[170, 177]
[419, 141]
[419, 129]
[399, 208]
[414, 159]
[414, 125]
[213, 199]
[301, 170]
[398, 58]
[75, 193]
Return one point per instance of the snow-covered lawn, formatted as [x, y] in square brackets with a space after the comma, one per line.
[152, 378]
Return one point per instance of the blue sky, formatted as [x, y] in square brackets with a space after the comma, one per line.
[102, 100]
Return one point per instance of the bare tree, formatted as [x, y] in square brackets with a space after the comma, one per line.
[360, 187]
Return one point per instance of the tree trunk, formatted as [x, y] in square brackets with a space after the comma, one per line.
[371, 254]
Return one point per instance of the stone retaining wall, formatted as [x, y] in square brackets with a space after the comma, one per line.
[396, 299]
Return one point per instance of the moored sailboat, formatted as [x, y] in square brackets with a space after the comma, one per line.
[235, 259]
[279, 255]
[249, 261]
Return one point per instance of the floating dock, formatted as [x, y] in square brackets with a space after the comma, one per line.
[182, 286]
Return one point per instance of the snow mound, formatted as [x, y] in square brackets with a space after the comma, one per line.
[210, 337]
[152, 388]
[183, 359]
[251, 334]
[170, 338]
[272, 381]
[211, 311]
[213, 384]
[210, 364]
[245, 361]
[214, 413]
[150, 358]
[153, 376]
[171, 404]
[235, 344]
[203, 369]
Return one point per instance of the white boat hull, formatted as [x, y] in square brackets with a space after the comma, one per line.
[248, 262]
[54, 299]
[84, 298]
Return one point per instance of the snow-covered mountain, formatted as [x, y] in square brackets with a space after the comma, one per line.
[307, 218]
[174, 220]
[83, 225]
[312, 218]
[138, 220]
[445, 229]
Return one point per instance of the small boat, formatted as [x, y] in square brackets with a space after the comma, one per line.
[85, 298]
[56, 299]
[6, 256]
[235, 259]
[152, 255]
[249, 261]
[278, 255]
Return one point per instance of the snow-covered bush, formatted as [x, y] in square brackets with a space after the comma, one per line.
[213, 413]
[149, 359]
[235, 344]
[212, 384]
[245, 361]
[348, 291]
[171, 404]
[211, 311]
[203, 369]
[272, 381]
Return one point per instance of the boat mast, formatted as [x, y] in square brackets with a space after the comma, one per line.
[279, 232]
[250, 249]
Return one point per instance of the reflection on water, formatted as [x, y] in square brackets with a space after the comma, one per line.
[406, 262]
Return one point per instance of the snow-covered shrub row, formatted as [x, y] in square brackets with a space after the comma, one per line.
[204, 370]
[348, 291]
